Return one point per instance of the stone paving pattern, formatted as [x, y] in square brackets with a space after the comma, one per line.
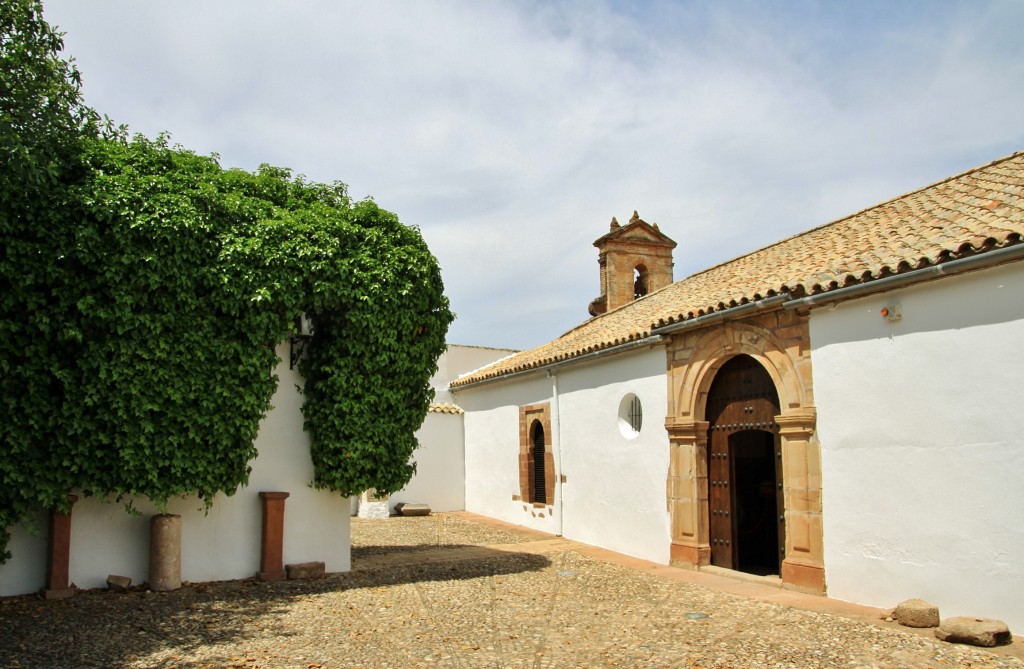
[450, 590]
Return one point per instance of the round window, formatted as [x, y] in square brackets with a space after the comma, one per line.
[631, 416]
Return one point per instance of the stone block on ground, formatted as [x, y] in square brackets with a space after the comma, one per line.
[59, 593]
[916, 613]
[412, 509]
[304, 570]
[974, 631]
[119, 583]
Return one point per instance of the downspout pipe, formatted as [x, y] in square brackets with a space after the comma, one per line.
[729, 314]
[979, 261]
[556, 439]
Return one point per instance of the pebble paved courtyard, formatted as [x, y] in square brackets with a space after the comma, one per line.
[445, 591]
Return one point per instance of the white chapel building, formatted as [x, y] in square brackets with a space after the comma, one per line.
[839, 410]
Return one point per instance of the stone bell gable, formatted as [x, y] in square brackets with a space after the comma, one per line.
[635, 260]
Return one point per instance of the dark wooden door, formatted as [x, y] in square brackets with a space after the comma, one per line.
[741, 403]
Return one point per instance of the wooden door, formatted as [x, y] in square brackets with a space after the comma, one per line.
[742, 399]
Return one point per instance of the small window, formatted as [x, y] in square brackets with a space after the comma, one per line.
[631, 416]
[536, 461]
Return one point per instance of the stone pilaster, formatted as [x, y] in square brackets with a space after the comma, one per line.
[58, 556]
[688, 492]
[272, 541]
[803, 567]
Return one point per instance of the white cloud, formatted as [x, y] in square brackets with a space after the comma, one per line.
[512, 133]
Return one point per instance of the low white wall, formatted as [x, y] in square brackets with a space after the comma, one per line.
[922, 450]
[26, 570]
[224, 544]
[440, 478]
[457, 360]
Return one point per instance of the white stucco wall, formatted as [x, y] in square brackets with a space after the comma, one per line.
[615, 487]
[614, 495]
[224, 544]
[922, 448]
[459, 359]
[492, 450]
[440, 478]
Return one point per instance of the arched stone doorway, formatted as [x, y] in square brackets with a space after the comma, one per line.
[745, 496]
[778, 341]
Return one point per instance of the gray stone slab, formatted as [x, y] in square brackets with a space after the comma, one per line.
[974, 631]
[412, 509]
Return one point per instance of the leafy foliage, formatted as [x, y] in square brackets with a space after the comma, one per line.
[144, 289]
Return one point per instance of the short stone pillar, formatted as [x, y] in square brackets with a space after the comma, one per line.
[272, 543]
[165, 552]
[372, 505]
[58, 556]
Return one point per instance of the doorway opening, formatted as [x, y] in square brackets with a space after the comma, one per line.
[753, 455]
[746, 506]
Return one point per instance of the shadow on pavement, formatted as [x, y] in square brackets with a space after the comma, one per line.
[98, 628]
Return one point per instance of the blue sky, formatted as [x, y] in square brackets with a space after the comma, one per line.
[511, 133]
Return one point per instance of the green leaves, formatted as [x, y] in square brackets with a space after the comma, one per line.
[378, 330]
[165, 283]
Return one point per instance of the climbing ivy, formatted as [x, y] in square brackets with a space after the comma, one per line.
[144, 289]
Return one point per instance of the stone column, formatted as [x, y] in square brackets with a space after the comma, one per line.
[272, 542]
[165, 552]
[58, 556]
[688, 492]
[803, 567]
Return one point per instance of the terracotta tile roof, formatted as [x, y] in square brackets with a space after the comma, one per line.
[443, 407]
[973, 212]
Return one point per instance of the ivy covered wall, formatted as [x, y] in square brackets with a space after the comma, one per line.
[143, 289]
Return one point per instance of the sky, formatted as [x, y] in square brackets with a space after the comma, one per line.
[510, 133]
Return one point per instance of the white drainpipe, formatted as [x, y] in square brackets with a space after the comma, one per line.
[556, 443]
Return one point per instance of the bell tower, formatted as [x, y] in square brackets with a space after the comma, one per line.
[635, 260]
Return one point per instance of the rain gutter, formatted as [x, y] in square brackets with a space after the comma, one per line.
[979, 261]
[725, 314]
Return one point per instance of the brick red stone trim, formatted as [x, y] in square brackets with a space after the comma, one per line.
[272, 542]
[527, 416]
[58, 557]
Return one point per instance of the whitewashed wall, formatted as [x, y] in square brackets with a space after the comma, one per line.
[615, 488]
[922, 448]
[457, 360]
[225, 544]
[614, 496]
[440, 478]
[492, 450]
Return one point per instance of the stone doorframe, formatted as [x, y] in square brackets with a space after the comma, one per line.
[779, 341]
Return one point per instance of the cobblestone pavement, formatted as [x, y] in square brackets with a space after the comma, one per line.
[444, 591]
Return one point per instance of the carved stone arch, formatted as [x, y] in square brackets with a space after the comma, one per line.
[713, 348]
[779, 342]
